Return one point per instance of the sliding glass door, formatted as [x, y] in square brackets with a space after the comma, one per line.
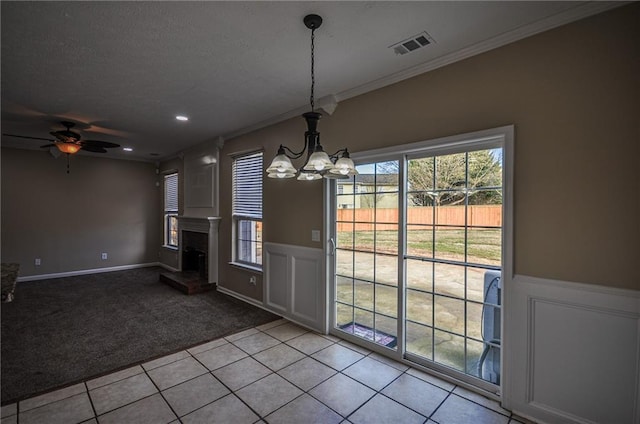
[418, 258]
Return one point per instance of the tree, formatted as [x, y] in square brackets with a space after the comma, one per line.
[446, 180]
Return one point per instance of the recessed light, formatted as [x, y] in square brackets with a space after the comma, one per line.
[127, 149]
[182, 118]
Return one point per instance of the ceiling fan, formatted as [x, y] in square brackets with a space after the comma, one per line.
[70, 142]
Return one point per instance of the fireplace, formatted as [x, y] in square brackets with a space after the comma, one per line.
[195, 250]
[198, 246]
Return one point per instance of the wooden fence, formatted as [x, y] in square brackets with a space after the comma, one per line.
[363, 219]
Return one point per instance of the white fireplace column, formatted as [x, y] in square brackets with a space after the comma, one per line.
[207, 225]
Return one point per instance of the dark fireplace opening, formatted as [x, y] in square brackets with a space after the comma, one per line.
[195, 253]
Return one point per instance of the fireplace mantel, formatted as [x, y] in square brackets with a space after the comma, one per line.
[208, 225]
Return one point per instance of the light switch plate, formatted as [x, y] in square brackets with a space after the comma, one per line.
[315, 235]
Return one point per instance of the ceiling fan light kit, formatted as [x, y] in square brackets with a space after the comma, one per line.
[318, 163]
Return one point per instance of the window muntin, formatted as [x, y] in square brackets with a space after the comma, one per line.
[247, 208]
[171, 210]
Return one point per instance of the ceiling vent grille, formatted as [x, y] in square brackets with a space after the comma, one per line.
[412, 43]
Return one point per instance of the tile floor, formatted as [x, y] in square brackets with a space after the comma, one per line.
[274, 373]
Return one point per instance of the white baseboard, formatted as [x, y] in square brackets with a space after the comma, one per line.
[85, 272]
[242, 297]
[168, 268]
[572, 351]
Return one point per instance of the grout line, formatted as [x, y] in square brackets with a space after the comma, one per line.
[438, 407]
[95, 413]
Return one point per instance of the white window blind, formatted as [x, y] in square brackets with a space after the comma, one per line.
[247, 186]
[171, 193]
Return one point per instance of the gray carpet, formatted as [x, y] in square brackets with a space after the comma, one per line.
[62, 331]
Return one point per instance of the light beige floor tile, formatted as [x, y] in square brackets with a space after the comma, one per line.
[337, 356]
[331, 337]
[456, 410]
[382, 410]
[272, 324]
[150, 410]
[355, 347]
[278, 356]
[256, 343]
[389, 361]
[372, 373]
[517, 419]
[342, 394]
[113, 377]
[165, 360]
[227, 410]
[9, 410]
[193, 394]
[207, 346]
[431, 379]
[304, 409]
[307, 373]
[242, 334]
[309, 343]
[285, 332]
[50, 397]
[176, 372]
[241, 373]
[478, 398]
[266, 395]
[11, 419]
[220, 356]
[69, 410]
[415, 394]
[91, 421]
[122, 392]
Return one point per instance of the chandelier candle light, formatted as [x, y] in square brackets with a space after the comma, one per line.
[319, 164]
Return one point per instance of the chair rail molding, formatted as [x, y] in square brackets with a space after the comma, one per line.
[572, 352]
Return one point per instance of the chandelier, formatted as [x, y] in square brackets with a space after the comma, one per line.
[318, 163]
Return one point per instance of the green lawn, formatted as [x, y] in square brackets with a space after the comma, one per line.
[483, 244]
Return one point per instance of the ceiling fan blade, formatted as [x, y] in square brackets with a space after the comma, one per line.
[25, 136]
[97, 143]
[94, 149]
[47, 146]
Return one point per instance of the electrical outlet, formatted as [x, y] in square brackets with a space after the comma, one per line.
[38, 262]
[104, 256]
[252, 280]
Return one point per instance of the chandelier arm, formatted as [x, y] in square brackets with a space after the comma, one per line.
[294, 155]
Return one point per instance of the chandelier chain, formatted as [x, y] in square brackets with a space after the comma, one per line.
[313, 76]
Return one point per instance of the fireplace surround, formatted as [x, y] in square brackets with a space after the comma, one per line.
[204, 225]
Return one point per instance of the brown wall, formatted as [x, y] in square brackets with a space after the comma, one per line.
[573, 94]
[68, 220]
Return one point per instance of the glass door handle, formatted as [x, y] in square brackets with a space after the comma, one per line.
[332, 249]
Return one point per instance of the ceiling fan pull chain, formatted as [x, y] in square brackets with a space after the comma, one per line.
[68, 162]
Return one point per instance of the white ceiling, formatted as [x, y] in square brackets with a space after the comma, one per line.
[123, 70]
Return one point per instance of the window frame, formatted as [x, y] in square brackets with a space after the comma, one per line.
[170, 211]
[249, 211]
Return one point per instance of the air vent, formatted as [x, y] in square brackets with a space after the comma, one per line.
[413, 43]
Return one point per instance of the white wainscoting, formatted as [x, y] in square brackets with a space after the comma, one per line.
[573, 352]
[294, 284]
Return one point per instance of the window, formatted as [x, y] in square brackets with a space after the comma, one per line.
[171, 210]
[419, 258]
[247, 209]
